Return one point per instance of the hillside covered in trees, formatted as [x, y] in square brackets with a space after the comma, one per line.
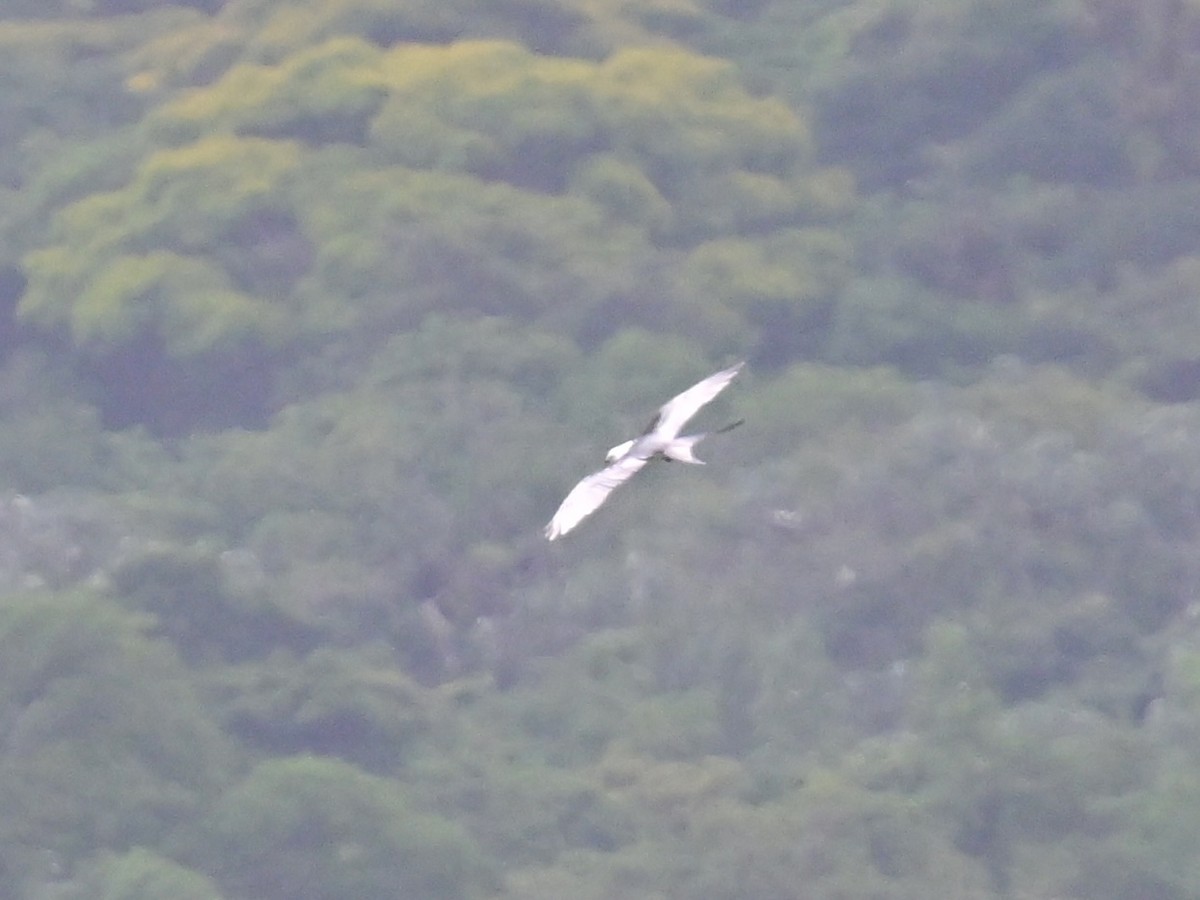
[311, 311]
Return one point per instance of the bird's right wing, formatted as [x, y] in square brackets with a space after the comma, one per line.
[587, 496]
[676, 412]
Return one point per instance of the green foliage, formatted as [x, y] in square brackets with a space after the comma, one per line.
[914, 74]
[355, 706]
[311, 312]
[781, 287]
[854, 843]
[187, 589]
[142, 874]
[52, 438]
[308, 827]
[458, 244]
[597, 388]
[1065, 128]
[63, 77]
[896, 323]
[130, 262]
[325, 93]
[625, 193]
[497, 111]
[109, 744]
[511, 180]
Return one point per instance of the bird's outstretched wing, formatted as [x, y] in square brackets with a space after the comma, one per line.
[675, 413]
[586, 497]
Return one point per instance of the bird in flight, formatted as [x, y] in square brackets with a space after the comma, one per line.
[660, 440]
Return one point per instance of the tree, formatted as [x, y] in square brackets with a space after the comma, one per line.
[108, 742]
[139, 874]
[317, 829]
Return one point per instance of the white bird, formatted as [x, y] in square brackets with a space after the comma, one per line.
[660, 440]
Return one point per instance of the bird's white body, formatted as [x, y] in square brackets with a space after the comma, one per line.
[660, 440]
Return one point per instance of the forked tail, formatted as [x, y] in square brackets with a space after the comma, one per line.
[683, 449]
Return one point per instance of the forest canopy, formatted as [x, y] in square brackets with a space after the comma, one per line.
[312, 311]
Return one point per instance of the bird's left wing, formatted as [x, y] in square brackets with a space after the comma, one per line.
[586, 497]
[676, 412]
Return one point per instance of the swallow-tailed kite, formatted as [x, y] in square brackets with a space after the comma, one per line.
[660, 440]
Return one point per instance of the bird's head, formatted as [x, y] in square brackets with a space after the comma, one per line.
[617, 452]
